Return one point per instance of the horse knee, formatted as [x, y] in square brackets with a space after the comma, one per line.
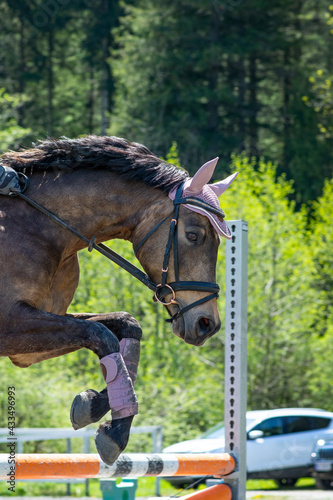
[131, 327]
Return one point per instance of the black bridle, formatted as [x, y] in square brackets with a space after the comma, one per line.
[163, 288]
[16, 187]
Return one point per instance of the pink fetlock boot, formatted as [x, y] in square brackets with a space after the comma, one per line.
[111, 437]
[130, 351]
[122, 398]
[90, 406]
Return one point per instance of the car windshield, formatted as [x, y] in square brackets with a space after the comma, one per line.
[215, 432]
[218, 430]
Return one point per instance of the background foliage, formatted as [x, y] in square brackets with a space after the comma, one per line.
[219, 77]
[250, 81]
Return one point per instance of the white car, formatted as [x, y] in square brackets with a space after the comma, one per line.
[279, 443]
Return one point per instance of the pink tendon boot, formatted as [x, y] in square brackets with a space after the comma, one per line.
[130, 351]
[122, 398]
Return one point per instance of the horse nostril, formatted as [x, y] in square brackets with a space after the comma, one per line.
[205, 325]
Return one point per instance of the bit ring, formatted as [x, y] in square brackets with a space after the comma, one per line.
[172, 301]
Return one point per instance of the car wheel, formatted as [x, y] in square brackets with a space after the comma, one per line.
[324, 484]
[286, 483]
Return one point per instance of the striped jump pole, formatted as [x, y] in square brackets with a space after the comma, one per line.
[66, 465]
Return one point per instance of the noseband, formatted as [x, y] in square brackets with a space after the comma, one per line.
[163, 288]
[14, 184]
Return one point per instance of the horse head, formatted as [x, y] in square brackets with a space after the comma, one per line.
[188, 248]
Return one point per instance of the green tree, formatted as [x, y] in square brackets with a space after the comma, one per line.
[320, 241]
[55, 55]
[11, 133]
[221, 79]
[281, 301]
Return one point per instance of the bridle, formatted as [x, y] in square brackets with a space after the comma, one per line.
[163, 288]
[16, 187]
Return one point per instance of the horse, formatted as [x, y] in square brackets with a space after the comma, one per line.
[64, 195]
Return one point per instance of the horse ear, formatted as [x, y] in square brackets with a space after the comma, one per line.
[202, 177]
[221, 186]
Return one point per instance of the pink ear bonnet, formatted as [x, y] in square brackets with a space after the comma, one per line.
[197, 187]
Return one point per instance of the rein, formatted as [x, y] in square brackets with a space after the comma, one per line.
[14, 184]
[103, 249]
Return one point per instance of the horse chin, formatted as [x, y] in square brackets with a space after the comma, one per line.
[185, 335]
[178, 328]
[195, 341]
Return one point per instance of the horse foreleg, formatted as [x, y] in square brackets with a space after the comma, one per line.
[30, 331]
[90, 406]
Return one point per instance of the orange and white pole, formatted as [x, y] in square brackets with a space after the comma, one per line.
[63, 466]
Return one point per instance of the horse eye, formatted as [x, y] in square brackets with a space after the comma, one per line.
[192, 236]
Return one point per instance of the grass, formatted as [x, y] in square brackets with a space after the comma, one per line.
[146, 488]
[269, 484]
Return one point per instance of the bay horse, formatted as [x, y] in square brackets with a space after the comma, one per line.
[96, 189]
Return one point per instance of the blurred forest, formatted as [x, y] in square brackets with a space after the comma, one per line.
[250, 81]
[217, 77]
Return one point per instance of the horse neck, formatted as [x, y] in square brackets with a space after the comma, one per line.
[99, 204]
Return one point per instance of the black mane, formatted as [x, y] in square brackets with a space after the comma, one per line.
[131, 160]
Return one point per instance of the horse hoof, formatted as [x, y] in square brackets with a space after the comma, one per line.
[88, 407]
[111, 438]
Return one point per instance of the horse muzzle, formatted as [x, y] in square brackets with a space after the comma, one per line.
[195, 327]
[203, 330]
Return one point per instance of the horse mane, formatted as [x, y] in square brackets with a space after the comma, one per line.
[130, 160]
